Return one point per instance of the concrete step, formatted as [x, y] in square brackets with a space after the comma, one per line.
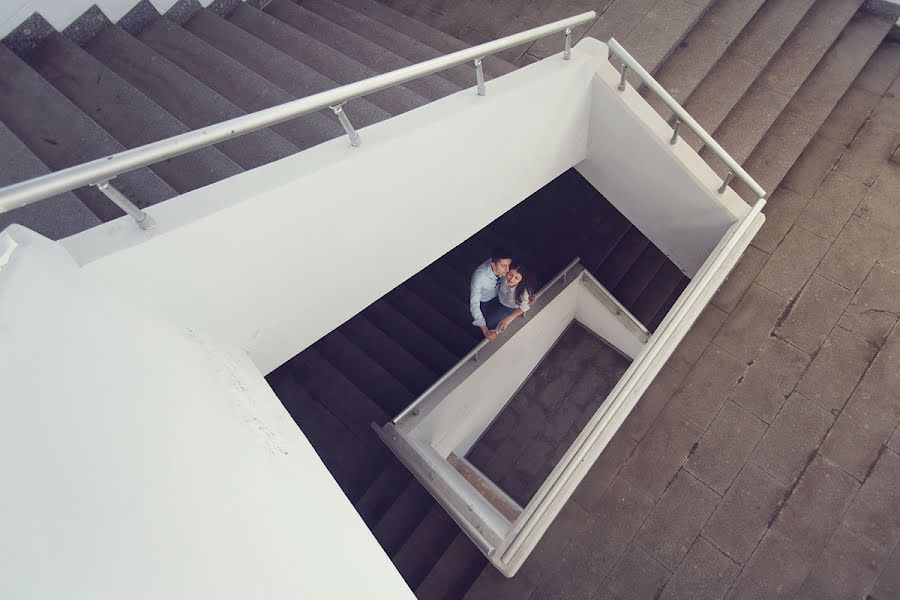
[411, 335]
[752, 117]
[318, 56]
[128, 115]
[365, 372]
[383, 492]
[234, 81]
[183, 96]
[451, 335]
[352, 463]
[454, 309]
[668, 304]
[386, 37]
[61, 135]
[657, 292]
[331, 388]
[269, 62]
[736, 71]
[783, 143]
[390, 354]
[454, 573]
[700, 50]
[425, 545]
[56, 217]
[344, 41]
[635, 283]
[604, 234]
[402, 517]
[440, 41]
[626, 253]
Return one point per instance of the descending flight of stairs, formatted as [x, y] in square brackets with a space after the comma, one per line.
[760, 75]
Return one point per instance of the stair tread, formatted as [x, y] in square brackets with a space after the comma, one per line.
[386, 37]
[654, 296]
[234, 81]
[332, 64]
[454, 573]
[639, 276]
[626, 252]
[61, 135]
[124, 112]
[402, 517]
[415, 339]
[425, 545]
[56, 217]
[668, 304]
[356, 47]
[456, 310]
[382, 492]
[364, 372]
[183, 96]
[451, 335]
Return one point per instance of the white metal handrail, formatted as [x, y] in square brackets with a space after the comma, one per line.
[99, 172]
[682, 116]
[473, 353]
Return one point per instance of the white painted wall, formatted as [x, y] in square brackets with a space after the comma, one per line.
[668, 192]
[61, 13]
[144, 460]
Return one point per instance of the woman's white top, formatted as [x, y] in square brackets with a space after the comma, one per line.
[507, 296]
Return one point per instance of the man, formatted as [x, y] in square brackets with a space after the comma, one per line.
[483, 290]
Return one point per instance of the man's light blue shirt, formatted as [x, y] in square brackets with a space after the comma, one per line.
[483, 289]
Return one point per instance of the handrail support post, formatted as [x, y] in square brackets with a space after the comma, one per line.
[621, 87]
[479, 77]
[143, 220]
[726, 181]
[567, 52]
[355, 140]
[675, 129]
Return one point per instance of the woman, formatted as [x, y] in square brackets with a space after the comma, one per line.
[515, 295]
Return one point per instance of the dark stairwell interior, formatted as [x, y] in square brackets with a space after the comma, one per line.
[374, 365]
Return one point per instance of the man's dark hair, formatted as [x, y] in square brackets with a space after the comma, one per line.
[498, 254]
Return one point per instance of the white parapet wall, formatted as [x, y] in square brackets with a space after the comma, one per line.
[274, 258]
[144, 460]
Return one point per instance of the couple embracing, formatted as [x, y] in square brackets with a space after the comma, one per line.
[501, 290]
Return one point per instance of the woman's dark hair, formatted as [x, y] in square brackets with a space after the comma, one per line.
[528, 285]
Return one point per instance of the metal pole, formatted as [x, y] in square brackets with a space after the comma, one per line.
[143, 220]
[479, 77]
[567, 53]
[622, 79]
[338, 109]
[725, 182]
[675, 129]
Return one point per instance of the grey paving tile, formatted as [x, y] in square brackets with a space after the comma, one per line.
[812, 166]
[637, 576]
[744, 514]
[847, 568]
[880, 209]
[888, 181]
[815, 507]
[781, 210]
[854, 252]
[698, 338]
[706, 387]
[850, 114]
[704, 574]
[770, 379]
[677, 519]
[887, 113]
[662, 451]
[568, 523]
[740, 278]
[832, 205]
[792, 439]
[881, 70]
[836, 369]
[725, 447]
[751, 322]
[774, 572]
[574, 577]
[871, 147]
[874, 512]
[590, 492]
[795, 259]
[887, 586]
[492, 585]
[855, 440]
[814, 314]
[876, 306]
[894, 442]
[652, 402]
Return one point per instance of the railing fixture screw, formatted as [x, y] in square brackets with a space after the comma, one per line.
[622, 79]
[675, 129]
[355, 140]
[567, 53]
[725, 182]
[143, 220]
[479, 77]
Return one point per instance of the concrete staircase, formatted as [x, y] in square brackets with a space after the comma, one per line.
[761, 75]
